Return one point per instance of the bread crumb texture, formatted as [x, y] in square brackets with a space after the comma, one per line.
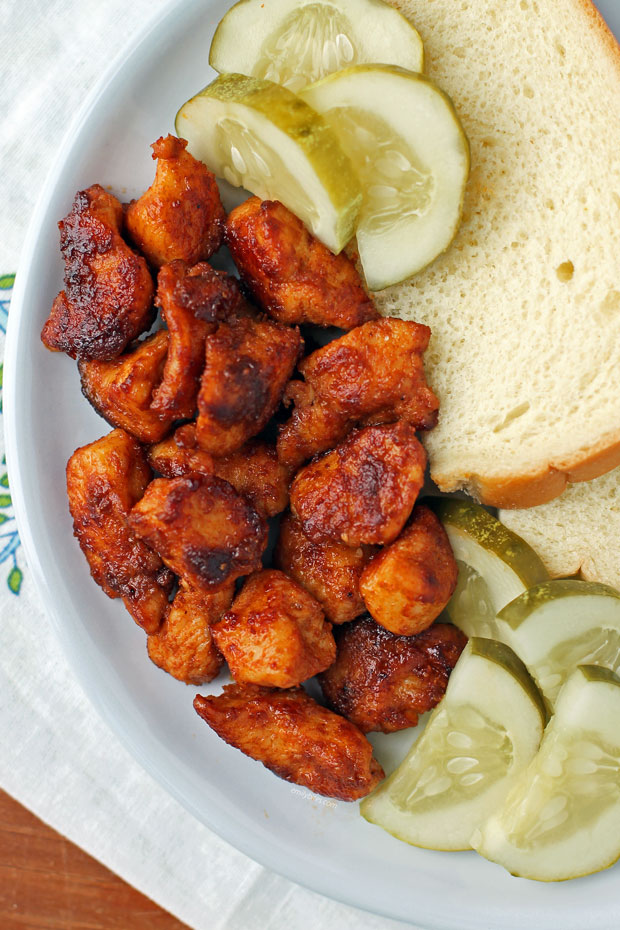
[524, 306]
[577, 532]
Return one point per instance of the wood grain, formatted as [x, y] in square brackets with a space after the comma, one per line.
[47, 883]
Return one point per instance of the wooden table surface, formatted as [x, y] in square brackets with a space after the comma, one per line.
[47, 883]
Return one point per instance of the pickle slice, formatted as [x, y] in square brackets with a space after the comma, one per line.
[295, 43]
[495, 566]
[411, 155]
[487, 728]
[561, 818]
[557, 625]
[260, 136]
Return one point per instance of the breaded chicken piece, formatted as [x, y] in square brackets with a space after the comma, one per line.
[295, 738]
[290, 274]
[181, 214]
[248, 363]
[104, 481]
[184, 645]
[364, 490]
[121, 390]
[203, 530]
[253, 470]
[374, 374]
[275, 633]
[108, 295]
[189, 319]
[383, 682]
[329, 570]
[407, 585]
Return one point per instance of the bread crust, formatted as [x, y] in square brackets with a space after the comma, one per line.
[598, 24]
[512, 492]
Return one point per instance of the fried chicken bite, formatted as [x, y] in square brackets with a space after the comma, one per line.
[191, 301]
[374, 374]
[104, 481]
[202, 529]
[253, 470]
[290, 274]
[275, 633]
[180, 455]
[181, 214]
[329, 570]
[383, 682]
[248, 363]
[364, 490]
[295, 738]
[184, 646]
[406, 585]
[121, 390]
[108, 295]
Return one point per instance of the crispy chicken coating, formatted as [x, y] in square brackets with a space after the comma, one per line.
[291, 275]
[374, 374]
[203, 530]
[329, 570]
[253, 470]
[275, 634]
[181, 214]
[364, 490]
[407, 585]
[184, 646]
[295, 738]
[248, 363]
[382, 682]
[108, 295]
[104, 481]
[121, 390]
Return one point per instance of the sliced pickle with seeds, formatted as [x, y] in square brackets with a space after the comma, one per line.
[495, 566]
[411, 155]
[560, 624]
[295, 44]
[260, 136]
[486, 729]
[561, 818]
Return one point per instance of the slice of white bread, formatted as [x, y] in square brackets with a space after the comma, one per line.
[525, 305]
[577, 532]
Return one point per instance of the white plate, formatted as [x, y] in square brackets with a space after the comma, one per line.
[323, 844]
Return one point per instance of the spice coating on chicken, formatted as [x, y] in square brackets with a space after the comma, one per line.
[275, 633]
[374, 374]
[364, 490]
[329, 570]
[184, 646]
[291, 275]
[407, 585]
[121, 390]
[202, 529]
[295, 738]
[253, 470]
[108, 295]
[383, 682]
[187, 332]
[248, 363]
[181, 214]
[104, 481]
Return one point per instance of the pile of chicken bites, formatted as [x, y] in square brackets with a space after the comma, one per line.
[173, 507]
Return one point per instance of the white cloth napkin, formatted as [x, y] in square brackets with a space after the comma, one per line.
[58, 758]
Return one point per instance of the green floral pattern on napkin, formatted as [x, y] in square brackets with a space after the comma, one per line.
[9, 537]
